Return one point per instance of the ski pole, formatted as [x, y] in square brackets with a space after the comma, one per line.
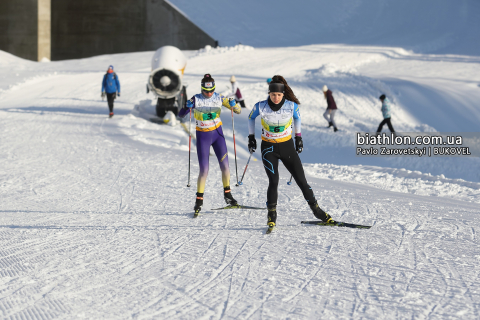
[234, 146]
[189, 146]
[290, 182]
[241, 180]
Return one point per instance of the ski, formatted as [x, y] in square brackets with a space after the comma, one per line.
[238, 206]
[337, 224]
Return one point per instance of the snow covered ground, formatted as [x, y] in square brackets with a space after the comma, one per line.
[95, 217]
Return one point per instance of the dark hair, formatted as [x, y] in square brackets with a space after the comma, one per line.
[289, 95]
[382, 97]
[207, 78]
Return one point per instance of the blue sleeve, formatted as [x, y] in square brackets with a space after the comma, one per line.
[296, 111]
[117, 83]
[254, 113]
[297, 120]
[251, 118]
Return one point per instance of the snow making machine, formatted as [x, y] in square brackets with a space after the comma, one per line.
[165, 80]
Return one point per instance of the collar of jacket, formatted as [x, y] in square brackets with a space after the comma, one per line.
[276, 107]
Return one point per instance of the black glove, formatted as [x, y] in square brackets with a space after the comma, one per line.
[298, 144]
[252, 143]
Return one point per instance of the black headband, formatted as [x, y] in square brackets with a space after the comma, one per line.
[276, 87]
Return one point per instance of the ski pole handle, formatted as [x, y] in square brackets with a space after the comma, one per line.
[241, 180]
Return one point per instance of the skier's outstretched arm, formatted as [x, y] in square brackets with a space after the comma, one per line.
[226, 103]
[186, 109]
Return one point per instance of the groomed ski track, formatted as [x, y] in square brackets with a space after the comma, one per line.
[97, 224]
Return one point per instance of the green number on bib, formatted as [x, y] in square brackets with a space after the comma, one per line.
[209, 116]
[277, 129]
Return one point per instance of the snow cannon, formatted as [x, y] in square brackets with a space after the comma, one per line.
[165, 80]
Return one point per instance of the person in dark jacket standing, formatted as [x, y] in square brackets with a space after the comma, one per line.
[329, 114]
[110, 86]
[386, 114]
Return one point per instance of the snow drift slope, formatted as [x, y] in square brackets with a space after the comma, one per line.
[435, 26]
[95, 218]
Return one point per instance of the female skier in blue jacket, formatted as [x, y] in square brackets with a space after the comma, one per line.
[279, 113]
[111, 86]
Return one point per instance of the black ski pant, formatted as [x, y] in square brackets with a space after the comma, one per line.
[285, 151]
[110, 98]
[389, 124]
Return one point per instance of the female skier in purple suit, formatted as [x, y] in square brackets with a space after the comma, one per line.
[206, 108]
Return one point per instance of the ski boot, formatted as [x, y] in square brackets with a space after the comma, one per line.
[110, 115]
[330, 124]
[320, 214]
[198, 204]
[335, 129]
[227, 195]
[272, 217]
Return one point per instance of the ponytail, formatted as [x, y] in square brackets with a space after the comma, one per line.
[289, 95]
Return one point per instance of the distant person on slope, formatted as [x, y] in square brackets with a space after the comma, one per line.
[206, 108]
[279, 113]
[386, 114]
[331, 108]
[236, 92]
[111, 86]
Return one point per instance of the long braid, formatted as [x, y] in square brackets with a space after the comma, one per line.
[289, 95]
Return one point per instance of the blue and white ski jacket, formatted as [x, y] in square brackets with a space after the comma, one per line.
[276, 125]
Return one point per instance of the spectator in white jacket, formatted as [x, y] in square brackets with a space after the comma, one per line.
[236, 92]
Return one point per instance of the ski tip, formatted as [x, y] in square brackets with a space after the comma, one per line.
[336, 224]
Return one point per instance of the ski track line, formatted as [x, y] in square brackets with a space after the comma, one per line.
[303, 286]
[207, 286]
